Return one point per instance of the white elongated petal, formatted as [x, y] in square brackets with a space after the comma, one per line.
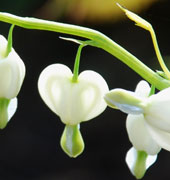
[140, 136]
[162, 138]
[12, 107]
[73, 102]
[131, 158]
[157, 112]
[12, 72]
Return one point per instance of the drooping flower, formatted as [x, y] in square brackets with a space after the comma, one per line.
[148, 123]
[154, 111]
[73, 102]
[12, 73]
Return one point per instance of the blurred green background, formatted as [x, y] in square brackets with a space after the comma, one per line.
[29, 145]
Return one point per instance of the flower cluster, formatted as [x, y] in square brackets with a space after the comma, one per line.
[77, 98]
[147, 123]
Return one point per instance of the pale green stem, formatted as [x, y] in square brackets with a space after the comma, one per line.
[77, 63]
[158, 54]
[99, 40]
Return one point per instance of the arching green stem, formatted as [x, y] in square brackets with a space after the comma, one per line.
[98, 40]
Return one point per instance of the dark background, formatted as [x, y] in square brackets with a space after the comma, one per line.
[29, 145]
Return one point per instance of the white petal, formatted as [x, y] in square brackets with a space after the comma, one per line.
[131, 158]
[92, 97]
[73, 102]
[139, 135]
[49, 85]
[12, 73]
[12, 107]
[142, 89]
[157, 111]
[162, 138]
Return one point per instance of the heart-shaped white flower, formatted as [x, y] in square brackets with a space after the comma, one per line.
[73, 102]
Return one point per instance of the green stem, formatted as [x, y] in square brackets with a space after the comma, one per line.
[9, 46]
[99, 40]
[77, 63]
[158, 53]
[152, 91]
[140, 165]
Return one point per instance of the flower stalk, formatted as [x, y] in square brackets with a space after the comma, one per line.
[77, 63]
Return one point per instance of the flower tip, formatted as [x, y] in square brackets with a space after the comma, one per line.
[137, 19]
[71, 141]
[121, 7]
[139, 161]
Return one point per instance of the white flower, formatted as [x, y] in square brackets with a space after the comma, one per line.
[157, 116]
[152, 127]
[72, 102]
[147, 140]
[12, 73]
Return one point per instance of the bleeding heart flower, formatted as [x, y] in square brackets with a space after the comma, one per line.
[154, 116]
[73, 102]
[148, 123]
[12, 73]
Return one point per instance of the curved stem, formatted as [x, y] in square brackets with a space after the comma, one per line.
[77, 63]
[98, 40]
[158, 53]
